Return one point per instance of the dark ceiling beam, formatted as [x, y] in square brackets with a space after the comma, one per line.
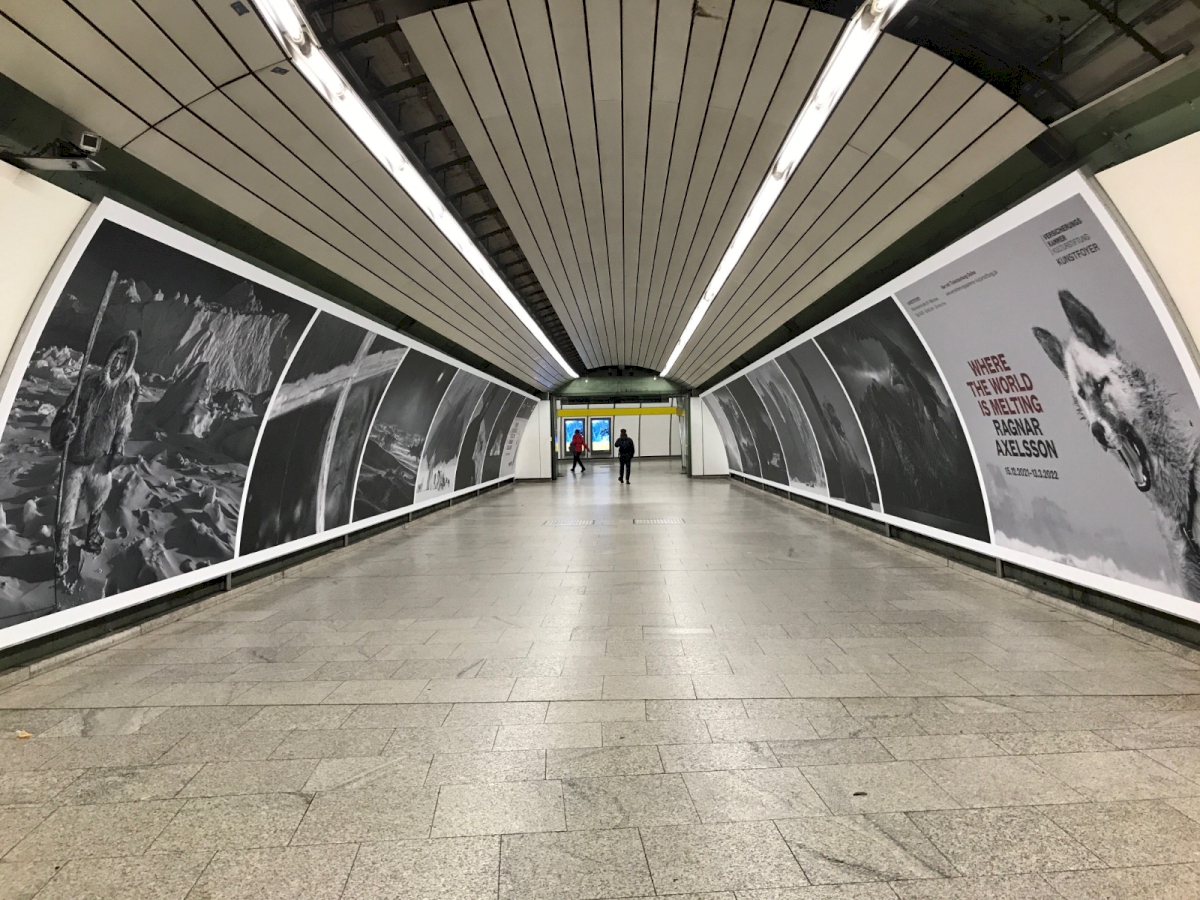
[1125, 28]
[450, 164]
[501, 230]
[479, 188]
[428, 129]
[377, 32]
[490, 211]
[399, 86]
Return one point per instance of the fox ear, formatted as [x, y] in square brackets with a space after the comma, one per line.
[1052, 346]
[1085, 324]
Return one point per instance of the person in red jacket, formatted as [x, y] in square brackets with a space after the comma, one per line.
[578, 445]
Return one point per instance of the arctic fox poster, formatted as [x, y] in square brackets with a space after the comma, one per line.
[1079, 409]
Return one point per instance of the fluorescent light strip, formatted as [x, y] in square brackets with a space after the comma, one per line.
[853, 47]
[291, 30]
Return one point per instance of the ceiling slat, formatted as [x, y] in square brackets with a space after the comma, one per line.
[509, 62]
[128, 27]
[35, 67]
[569, 29]
[71, 37]
[532, 21]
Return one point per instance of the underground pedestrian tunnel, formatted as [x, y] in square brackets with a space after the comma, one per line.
[587, 449]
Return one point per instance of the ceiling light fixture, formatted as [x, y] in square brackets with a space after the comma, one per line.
[291, 30]
[853, 47]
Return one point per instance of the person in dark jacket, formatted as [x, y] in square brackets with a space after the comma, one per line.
[578, 445]
[625, 450]
[94, 439]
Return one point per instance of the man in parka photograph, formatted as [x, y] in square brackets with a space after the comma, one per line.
[92, 426]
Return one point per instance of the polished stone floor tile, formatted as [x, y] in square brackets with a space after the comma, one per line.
[1006, 841]
[1145, 883]
[759, 704]
[576, 865]
[627, 801]
[871, 848]
[154, 876]
[443, 869]
[367, 815]
[1131, 833]
[518, 807]
[701, 858]
[277, 873]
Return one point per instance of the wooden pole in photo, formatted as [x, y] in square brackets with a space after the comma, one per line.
[74, 404]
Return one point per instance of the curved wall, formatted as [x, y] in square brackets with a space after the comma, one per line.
[1025, 393]
[224, 417]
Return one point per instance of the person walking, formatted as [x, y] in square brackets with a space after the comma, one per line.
[578, 445]
[625, 450]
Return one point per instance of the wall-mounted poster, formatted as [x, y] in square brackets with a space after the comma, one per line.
[439, 459]
[742, 438]
[1025, 392]
[388, 477]
[165, 392]
[150, 439]
[796, 438]
[508, 461]
[308, 453]
[922, 459]
[849, 471]
[1079, 408]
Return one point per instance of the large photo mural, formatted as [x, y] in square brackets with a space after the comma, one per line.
[1026, 392]
[172, 408]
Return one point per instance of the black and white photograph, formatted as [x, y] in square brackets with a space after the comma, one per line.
[1079, 406]
[733, 453]
[799, 444]
[508, 462]
[302, 480]
[125, 452]
[387, 479]
[849, 471]
[747, 455]
[922, 459]
[439, 458]
[762, 431]
[500, 429]
[473, 452]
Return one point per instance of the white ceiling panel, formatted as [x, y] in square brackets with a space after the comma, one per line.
[622, 143]
[657, 122]
[32, 65]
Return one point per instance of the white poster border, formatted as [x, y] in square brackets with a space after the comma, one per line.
[109, 210]
[1076, 184]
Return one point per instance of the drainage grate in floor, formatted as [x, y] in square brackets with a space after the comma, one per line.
[667, 521]
[569, 522]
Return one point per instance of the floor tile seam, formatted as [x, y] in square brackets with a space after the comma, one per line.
[1108, 622]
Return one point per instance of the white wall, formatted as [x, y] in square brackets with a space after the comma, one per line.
[533, 456]
[1158, 194]
[663, 439]
[708, 450]
[36, 221]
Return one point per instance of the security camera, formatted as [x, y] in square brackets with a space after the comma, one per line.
[89, 143]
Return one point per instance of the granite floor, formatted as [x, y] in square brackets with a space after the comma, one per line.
[531, 697]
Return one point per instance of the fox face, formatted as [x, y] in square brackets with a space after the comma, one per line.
[1108, 392]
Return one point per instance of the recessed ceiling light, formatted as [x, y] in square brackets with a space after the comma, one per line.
[291, 30]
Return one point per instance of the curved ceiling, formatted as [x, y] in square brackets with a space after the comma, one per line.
[200, 91]
[623, 143]
[620, 142]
